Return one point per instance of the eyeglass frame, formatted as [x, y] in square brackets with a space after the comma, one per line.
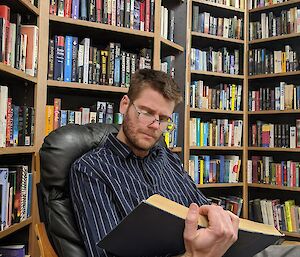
[168, 123]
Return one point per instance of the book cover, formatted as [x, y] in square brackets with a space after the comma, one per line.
[12, 250]
[156, 225]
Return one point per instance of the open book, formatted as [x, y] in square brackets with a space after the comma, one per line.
[155, 228]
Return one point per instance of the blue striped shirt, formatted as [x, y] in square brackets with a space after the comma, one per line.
[109, 181]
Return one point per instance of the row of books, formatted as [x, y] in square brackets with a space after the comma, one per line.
[263, 61]
[221, 96]
[16, 122]
[216, 132]
[282, 97]
[18, 42]
[264, 134]
[205, 169]
[262, 3]
[231, 203]
[285, 217]
[233, 3]
[171, 138]
[271, 26]
[72, 61]
[101, 112]
[263, 169]
[167, 23]
[16, 194]
[132, 14]
[204, 22]
[223, 60]
[167, 65]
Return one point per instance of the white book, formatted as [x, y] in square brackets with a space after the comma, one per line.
[292, 137]
[263, 205]
[226, 28]
[282, 93]
[249, 171]
[162, 13]
[271, 135]
[166, 19]
[23, 52]
[298, 20]
[3, 114]
[277, 61]
[263, 25]
[12, 31]
[77, 117]
[113, 12]
[193, 132]
[93, 117]
[270, 215]
[85, 115]
[86, 55]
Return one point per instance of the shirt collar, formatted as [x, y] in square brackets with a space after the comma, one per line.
[123, 150]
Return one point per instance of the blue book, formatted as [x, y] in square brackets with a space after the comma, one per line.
[222, 168]
[68, 59]
[117, 66]
[83, 10]
[12, 250]
[29, 193]
[75, 9]
[4, 196]
[198, 121]
[136, 15]
[15, 125]
[227, 170]
[176, 121]
[206, 168]
[196, 168]
[63, 118]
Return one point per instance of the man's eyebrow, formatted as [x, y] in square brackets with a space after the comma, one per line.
[150, 110]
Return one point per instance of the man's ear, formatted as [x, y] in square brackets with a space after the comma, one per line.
[124, 104]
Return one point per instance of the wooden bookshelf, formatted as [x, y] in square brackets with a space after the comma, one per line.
[220, 185]
[16, 73]
[17, 150]
[171, 44]
[216, 111]
[291, 234]
[15, 227]
[100, 26]
[275, 38]
[75, 85]
[274, 75]
[273, 6]
[30, 6]
[226, 7]
[272, 112]
[278, 149]
[208, 36]
[274, 187]
[216, 74]
[22, 6]
[217, 148]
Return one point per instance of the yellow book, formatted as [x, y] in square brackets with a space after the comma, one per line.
[283, 62]
[167, 138]
[287, 206]
[49, 119]
[233, 97]
[201, 134]
[201, 167]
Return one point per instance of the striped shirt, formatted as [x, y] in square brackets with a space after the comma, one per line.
[108, 182]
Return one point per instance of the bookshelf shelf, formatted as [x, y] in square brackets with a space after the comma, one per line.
[216, 74]
[101, 26]
[269, 149]
[17, 150]
[219, 5]
[275, 187]
[15, 228]
[218, 148]
[176, 149]
[271, 112]
[16, 73]
[274, 75]
[75, 85]
[215, 111]
[217, 185]
[30, 6]
[171, 44]
[276, 38]
[287, 3]
[291, 234]
[208, 36]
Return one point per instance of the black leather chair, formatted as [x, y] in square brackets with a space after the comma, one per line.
[59, 150]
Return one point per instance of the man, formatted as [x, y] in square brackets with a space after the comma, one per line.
[109, 181]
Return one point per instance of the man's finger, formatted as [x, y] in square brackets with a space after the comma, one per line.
[191, 222]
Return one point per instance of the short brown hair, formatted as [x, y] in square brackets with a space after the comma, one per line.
[157, 80]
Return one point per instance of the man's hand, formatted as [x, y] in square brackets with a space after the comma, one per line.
[213, 241]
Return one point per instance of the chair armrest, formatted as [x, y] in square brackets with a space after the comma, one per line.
[45, 246]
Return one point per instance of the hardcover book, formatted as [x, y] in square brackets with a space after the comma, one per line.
[156, 225]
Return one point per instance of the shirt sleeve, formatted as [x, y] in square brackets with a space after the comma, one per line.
[95, 211]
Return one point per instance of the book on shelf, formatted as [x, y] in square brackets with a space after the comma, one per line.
[171, 138]
[167, 17]
[167, 65]
[12, 250]
[157, 215]
[230, 203]
[258, 3]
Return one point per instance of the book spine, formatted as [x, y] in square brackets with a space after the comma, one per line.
[74, 76]
[75, 9]
[59, 55]
[68, 59]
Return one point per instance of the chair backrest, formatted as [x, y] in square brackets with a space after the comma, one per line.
[59, 150]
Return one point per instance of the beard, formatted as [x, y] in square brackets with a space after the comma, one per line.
[131, 132]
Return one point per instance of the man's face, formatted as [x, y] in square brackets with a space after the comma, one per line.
[141, 136]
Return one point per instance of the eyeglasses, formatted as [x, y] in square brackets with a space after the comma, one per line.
[166, 124]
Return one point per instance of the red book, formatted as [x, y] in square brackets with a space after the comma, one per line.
[68, 8]
[99, 8]
[147, 18]
[5, 14]
[142, 15]
[53, 7]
